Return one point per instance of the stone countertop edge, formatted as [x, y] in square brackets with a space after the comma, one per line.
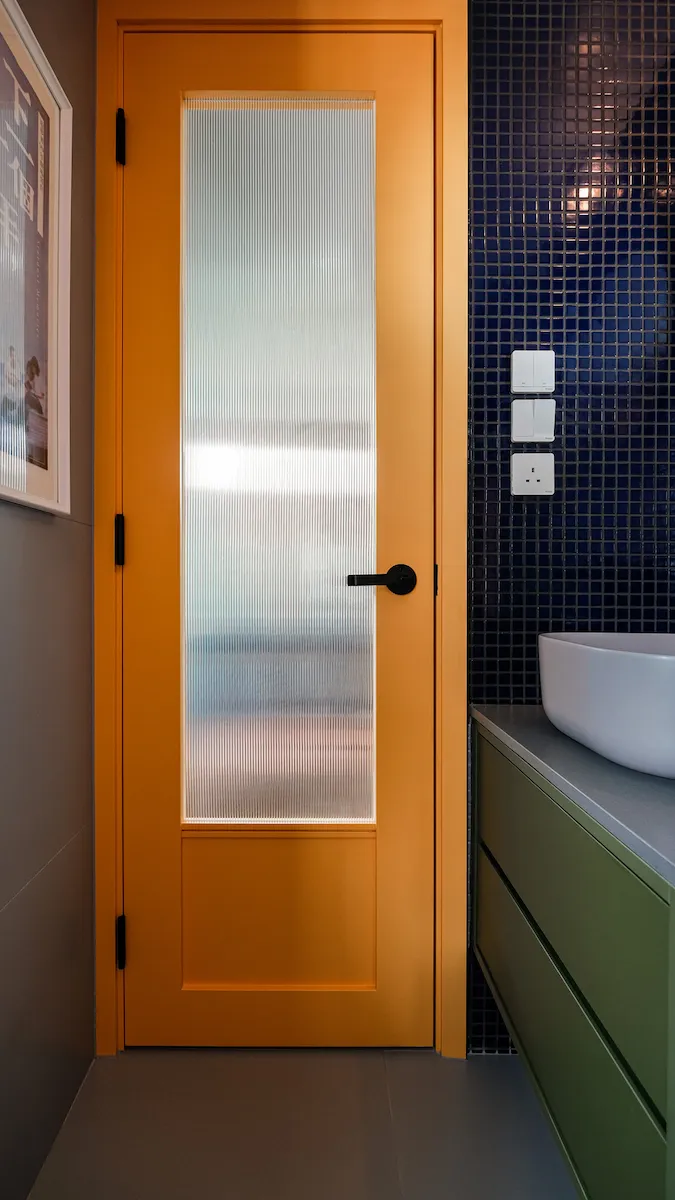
[637, 809]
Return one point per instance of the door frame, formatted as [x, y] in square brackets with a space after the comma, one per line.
[447, 20]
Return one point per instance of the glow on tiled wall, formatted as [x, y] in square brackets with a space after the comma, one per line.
[573, 247]
[573, 130]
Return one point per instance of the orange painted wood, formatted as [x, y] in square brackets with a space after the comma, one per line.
[448, 21]
[452, 185]
[163, 1005]
[107, 580]
[292, 911]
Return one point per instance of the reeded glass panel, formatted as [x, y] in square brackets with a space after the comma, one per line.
[278, 425]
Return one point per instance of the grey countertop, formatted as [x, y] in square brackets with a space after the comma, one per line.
[637, 809]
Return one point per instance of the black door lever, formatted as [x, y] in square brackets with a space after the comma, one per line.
[400, 579]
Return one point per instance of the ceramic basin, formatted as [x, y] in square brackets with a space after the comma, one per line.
[615, 692]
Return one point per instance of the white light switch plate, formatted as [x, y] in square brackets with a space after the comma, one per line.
[533, 371]
[533, 419]
[532, 474]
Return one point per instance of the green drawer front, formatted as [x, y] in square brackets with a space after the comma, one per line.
[613, 1140]
[606, 926]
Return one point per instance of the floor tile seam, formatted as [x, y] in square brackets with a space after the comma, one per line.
[392, 1123]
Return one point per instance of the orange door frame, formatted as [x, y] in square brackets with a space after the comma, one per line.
[448, 21]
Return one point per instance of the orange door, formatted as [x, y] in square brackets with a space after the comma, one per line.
[278, 379]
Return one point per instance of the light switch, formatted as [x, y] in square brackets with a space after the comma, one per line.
[522, 371]
[532, 475]
[544, 370]
[533, 371]
[543, 408]
[522, 420]
[533, 419]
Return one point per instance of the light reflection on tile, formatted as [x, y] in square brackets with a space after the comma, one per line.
[572, 212]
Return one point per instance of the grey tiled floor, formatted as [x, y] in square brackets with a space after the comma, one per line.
[309, 1125]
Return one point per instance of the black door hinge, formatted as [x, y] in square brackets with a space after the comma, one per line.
[121, 137]
[435, 579]
[121, 942]
[119, 540]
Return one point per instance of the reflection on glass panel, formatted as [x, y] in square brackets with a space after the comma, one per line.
[278, 421]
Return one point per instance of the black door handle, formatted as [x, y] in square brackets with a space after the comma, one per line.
[400, 579]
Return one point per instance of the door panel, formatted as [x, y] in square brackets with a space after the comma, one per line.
[298, 910]
[278, 726]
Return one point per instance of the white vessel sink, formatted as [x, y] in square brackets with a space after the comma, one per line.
[615, 692]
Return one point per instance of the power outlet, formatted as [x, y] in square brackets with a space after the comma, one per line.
[532, 474]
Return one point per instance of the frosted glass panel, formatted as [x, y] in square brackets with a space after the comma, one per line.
[278, 426]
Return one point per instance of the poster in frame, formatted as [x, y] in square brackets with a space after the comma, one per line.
[35, 215]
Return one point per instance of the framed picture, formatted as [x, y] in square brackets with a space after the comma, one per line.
[35, 180]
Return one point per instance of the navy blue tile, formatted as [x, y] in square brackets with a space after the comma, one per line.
[572, 225]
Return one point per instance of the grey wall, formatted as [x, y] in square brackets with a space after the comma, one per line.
[46, 971]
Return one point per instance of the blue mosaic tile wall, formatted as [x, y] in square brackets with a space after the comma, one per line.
[573, 248]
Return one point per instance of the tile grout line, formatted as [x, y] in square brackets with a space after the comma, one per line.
[392, 1123]
[61, 1126]
[69, 519]
[44, 866]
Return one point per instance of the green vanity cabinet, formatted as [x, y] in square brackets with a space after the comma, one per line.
[609, 929]
[573, 931]
[613, 1141]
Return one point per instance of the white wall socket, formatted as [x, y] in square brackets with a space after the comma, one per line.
[532, 474]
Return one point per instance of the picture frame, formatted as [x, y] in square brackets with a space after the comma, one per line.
[36, 121]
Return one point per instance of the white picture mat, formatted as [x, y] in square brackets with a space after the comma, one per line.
[49, 489]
